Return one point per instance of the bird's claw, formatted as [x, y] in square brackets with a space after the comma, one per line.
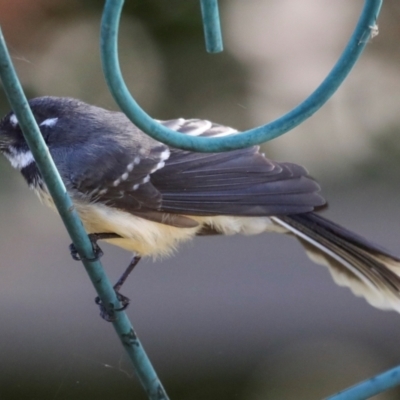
[108, 313]
[97, 251]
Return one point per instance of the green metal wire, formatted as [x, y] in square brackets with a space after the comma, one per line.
[370, 387]
[118, 88]
[212, 26]
[66, 209]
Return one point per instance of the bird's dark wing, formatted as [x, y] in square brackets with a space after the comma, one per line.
[164, 184]
[118, 175]
[113, 176]
[240, 182]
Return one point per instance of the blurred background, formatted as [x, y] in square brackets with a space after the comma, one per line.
[226, 318]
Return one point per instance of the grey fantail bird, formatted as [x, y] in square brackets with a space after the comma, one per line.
[147, 197]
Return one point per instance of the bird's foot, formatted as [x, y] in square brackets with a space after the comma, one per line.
[94, 237]
[108, 313]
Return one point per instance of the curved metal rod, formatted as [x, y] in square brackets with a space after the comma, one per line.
[212, 26]
[73, 224]
[109, 35]
[365, 28]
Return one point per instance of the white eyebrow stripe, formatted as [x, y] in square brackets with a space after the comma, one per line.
[13, 120]
[48, 122]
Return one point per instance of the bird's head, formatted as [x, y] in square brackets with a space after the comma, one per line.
[61, 122]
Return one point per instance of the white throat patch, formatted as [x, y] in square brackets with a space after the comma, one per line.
[19, 159]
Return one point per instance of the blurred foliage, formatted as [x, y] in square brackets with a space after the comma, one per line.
[195, 83]
[383, 164]
[170, 22]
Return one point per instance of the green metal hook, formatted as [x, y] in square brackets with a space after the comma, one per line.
[109, 54]
[212, 25]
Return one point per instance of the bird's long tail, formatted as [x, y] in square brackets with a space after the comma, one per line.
[367, 269]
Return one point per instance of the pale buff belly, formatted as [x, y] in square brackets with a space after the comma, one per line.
[149, 238]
